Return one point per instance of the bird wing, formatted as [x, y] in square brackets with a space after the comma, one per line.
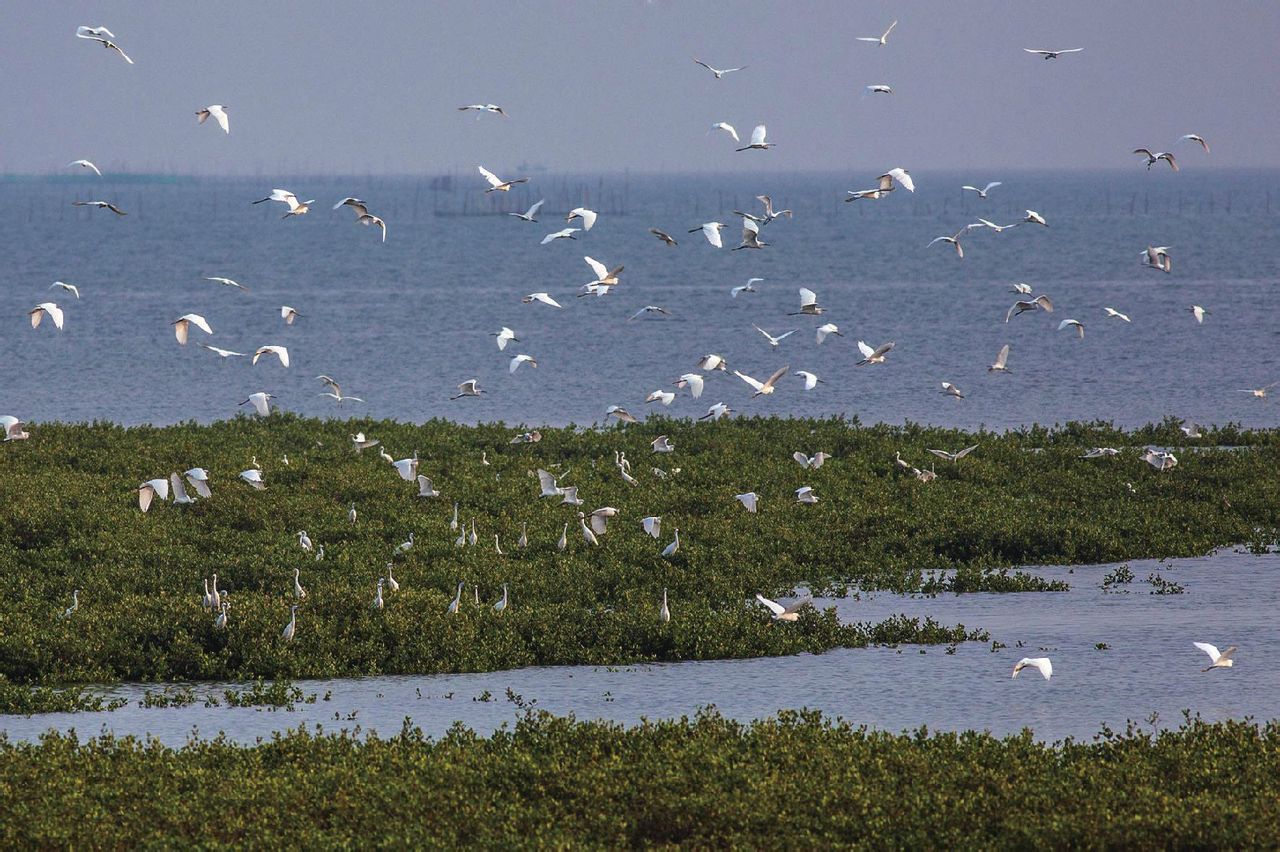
[1227, 652]
[807, 297]
[1145, 151]
[943, 454]
[991, 186]
[866, 350]
[971, 188]
[903, 177]
[757, 135]
[730, 129]
[1033, 50]
[199, 322]
[713, 236]
[871, 39]
[1044, 302]
[966, 451]
[1211, 650]
[774, 606]
[755, 384]
[601, 271]
[533, 211]
[777, 374]
[695, 383]
[489, 176]
[1003, 356]
[547, 481]
[588, 218]
[547, 300]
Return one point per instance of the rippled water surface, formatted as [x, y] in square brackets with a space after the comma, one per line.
[1149, 666]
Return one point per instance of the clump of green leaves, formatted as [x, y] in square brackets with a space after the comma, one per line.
[1119, 576]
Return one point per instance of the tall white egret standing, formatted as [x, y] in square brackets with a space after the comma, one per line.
[1040, 664]
[183, 324]
[523, 541]
[46, 308]
[96, 34]
[1220, 659]
[757, 140]
[784, 613]
[261, 402]
[392, 584]
[85, 164]
[881, 39]
[288, 199]
[588, 534]
[279, 351]
[75, 604]
[719, 72]
[674, 547]
[664, 614]
[292, 627]
[298, 592]
[456, 602]
[497, 184]
[220, 623]
[377, 595]
[501, 606]
[219, 114]
[304, 541]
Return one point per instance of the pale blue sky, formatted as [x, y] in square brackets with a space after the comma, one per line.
[603, 86]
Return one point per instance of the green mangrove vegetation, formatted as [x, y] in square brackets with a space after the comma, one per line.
[69, 519]
[796, 781]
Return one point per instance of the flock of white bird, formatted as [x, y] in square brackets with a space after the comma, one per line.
[593, 525]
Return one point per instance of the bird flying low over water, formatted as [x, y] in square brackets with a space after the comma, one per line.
[727, 128]
[784, 613]
[44, 309]
[1198, 139]
[767, 386]
[497, 184]
[219, 114]
[528, 215]
[873, 356]
[1152, 159]
[982, 193]
[101, 205]
[1041, 302]
[562, 234]
[85, 164]
[288, 199]
[710, 230]
[664, 236]
[757, 140]
[1040, 664]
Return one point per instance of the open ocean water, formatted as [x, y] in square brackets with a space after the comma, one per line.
[400, 324]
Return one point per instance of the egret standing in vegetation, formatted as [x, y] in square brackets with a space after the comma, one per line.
[292, 626]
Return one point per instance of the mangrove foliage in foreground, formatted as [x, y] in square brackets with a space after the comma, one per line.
[69, 519]
[794, 781]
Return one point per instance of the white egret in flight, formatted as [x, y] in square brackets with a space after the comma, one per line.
[1199, 312]
[288, 199]
[811, 380]
[808, 304]
[774, 341]
[1052, 54]
[710, 230]
[956, 456]
[39, 311]
[481, 109]
[1112, 312]
[745, 288]
[530, 215]
[13, 428]
[504, 336]
[562, 234]
[183, 323]
[727, 128]
[151, 489]
[1198, 139]
[717, 411]
[766, 387]
[85, 164]
[880, 40]
[219, 114]
[101, 205]
[873, 356]
[664, 397]
[1152, 159]
[221, 353]
[784, 613]
[804, 494]
[1041, 302]
[1072, 323]
[748, 500]
[757, 140]
[544, 298]
[521, 359]
[497, 184]
[951, 390]
[588, 217]
[96, 34]
[878, 89]
[260, 402]
[719, 72]
[1040, 664]
[982, 193]
[713, 362]
[827, 329]
[813, 462]
[279, 351]
[693, 381]
[897, 175]
[1221, 659]
[621, 413]
[1035, 218]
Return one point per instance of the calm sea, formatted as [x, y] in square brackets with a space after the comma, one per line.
[400, 324]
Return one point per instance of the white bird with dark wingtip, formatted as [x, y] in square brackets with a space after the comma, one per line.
[1051, 54]
[288, 199]
[649, 309]
[481, 109]
[544, 298]
[85, 164]
[497, 184]
[881, 39]
[1157, 257]
[279, 351]
[811, 380]
[46, 308]
[766, 387]
[530, 215]
[1221, 659]
[713, 362]
[1040, 664]
[719, 72]
[1072, 323]
[70, 288]
[101, 205]
[182, 325]
[951, 390]
[894, 176]
[954, 240]
[562, 234]
[757, 140]
[873, 356]
[693, 381]
[1039, 303]
[877, 89]
[588, 217]
[219, 114]
[982, 193]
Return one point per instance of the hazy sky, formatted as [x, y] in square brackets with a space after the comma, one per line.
[600, 86]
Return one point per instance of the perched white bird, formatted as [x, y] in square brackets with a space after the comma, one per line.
[813, 462]
[757, 140]
[710, 230]
[468, 388]
[1221, 659]
[693, 382]
[880, 40]
[664, 614]
[13, 428]
[1199, 312]
[664, 397]
[378, 602]
[481, 109]
[279, 351]
[85, 164]
[951, 390]
[183, 324]
[456, 602]
[219, 114]
[719, 72]
[501, 605]
[1052, 54]
[1040, 664]
[588, 534]
[745, 288]
[523, 541]
[1112, 312]
[292, 627]
[674, 547]
[562, 234]
[497, 184]
[101, 205]
[530, 214]
[982, 193]
[873, 356]
[544, 298]
[151, 489]
[619, 412]
[406, 545]
[804, 494]
[588, 217]
[260, 402]
[220, 623]
[717, 411]
[811, 380]
[784, 613]
[1198, 139]
[748, 500]
[766, 387]
[1001, 361]
[75, 604]
[1039, 303]
[288, 199]
[52, 310]
[298, 592]
[1071, 323]
[515, 362]
[956, 456]
[774, 341]
[808, 304]
[727, 128]
[96, 34]
[827, 329]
